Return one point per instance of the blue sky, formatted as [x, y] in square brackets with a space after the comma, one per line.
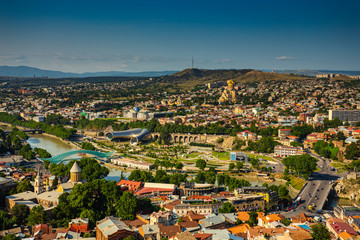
[136, 35]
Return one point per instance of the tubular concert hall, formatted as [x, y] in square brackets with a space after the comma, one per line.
[135, 136]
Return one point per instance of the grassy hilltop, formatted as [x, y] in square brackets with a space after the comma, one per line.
[189, 78]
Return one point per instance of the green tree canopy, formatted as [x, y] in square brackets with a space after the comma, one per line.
[352, 151]
[24, 186]
[37, 215]
[87, 146]
[201, 164]
[301, 164]
[20, 212]
[11, 237]
[126, 206]
[231, 166]
[227, 207]
[319, 232]
[5, 221]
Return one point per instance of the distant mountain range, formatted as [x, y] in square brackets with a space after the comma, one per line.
[316, 72]
[221, 74]
[24, 71]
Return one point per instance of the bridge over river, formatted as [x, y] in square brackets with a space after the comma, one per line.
[64, 156]
[317, 190]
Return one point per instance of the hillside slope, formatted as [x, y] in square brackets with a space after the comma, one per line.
[189, 78]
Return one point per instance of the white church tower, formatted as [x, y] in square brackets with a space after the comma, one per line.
[39, 185]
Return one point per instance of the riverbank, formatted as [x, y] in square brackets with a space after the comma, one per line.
[64, 141]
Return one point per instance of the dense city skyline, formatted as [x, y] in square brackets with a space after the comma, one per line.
[147, 36]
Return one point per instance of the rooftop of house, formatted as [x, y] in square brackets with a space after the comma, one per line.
[161, 214]
[183, 236]
[202, 236]
[111, 225]
[150, 229]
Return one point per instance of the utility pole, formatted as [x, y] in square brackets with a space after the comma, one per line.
[192, 62]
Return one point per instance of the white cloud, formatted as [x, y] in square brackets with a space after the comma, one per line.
[284, 58]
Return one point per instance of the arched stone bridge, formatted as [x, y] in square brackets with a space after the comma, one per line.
[188, 138]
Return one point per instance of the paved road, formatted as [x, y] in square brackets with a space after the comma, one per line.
[317, 187]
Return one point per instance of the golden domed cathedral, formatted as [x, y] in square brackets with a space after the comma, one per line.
[229, 94]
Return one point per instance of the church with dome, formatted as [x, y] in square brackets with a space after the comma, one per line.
[229, 94]
[75, 178]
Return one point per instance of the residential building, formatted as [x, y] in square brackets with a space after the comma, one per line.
[190, 189]
[112, 228]
[79, 225]
[271, 198]
[169, 231]
[183, 236]
[132, 163]
[345, 115]
[150, 232]
[338, 227]
[285, 151]
[163, 217]
[283, 133]
[248, 202]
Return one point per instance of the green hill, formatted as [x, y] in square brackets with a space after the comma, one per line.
[189, 78]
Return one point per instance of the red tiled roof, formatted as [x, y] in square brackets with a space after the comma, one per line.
[343, 227]
[129, 183]
[190, 224]
[201, 236]
[200, 197]
[150, 190]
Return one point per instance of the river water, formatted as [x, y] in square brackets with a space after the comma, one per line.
[55, 147]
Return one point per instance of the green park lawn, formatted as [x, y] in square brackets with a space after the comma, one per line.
[297, 183]
[251, 155]
[192, 155]
[221, 155]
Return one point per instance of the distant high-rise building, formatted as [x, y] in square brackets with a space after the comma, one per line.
[345, 115]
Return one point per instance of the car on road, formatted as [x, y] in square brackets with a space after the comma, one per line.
[289, 209]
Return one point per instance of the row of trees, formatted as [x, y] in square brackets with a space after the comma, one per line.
[87, 146]
[12, 142]
[23, 215]
[57, 130]
[231, 182]
[325, 149]
[264, 145]
[160, 177]
[167, 164]
[301, 165]
[42, 153]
